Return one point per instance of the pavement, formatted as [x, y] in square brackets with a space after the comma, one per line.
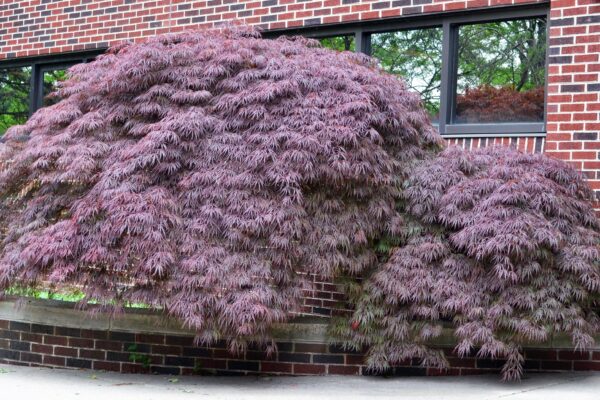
[43, 383]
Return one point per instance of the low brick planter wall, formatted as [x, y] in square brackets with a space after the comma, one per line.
[46, 333]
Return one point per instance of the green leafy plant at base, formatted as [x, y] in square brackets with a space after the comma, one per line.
[40, 293]
[69, 296]
[137, 357]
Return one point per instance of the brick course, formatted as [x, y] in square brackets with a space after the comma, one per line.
[148, 354]
[573, 89]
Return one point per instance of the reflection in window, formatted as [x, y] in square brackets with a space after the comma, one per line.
[501, 72]
[14, 96]
[415, 55]
[339, 43]
[50, 85]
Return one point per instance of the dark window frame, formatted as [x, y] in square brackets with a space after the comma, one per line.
[41, 64]
[450, 23]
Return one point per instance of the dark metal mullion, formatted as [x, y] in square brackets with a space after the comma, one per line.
[448, 51]
[362, 42]
[34, 88]
[40, 87]
[495, 135]
[502, 128]
[547, 64]
[453, 81]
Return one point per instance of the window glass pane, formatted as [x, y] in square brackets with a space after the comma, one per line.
[340, 43]
[415, 55]
[14, 96]
[51, 79]
[501, 72]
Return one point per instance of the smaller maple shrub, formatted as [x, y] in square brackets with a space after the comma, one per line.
[505, 250]
[486, 104]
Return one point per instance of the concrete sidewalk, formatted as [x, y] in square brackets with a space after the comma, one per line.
[48, 384]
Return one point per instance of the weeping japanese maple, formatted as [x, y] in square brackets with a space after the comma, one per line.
[504, 250]
[204, 172]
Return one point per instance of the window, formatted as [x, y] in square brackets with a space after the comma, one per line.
[25, 85]
[501, 72]
[14, 96]
[479, 73]
[415, 55]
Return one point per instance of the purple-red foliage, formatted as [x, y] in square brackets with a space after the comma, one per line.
[505, 250]
[204, 173]
[201, 172]
[487, 103]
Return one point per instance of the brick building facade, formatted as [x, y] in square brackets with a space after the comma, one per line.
[46, 33]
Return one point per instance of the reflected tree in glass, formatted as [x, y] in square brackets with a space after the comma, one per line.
[14, 96]
[501, 71]
[50, 85]
[416, 56]
[339, 43]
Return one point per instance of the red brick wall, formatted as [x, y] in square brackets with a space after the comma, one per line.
[23, 343]
[34, 27]
[324, 299]
[574, 86]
